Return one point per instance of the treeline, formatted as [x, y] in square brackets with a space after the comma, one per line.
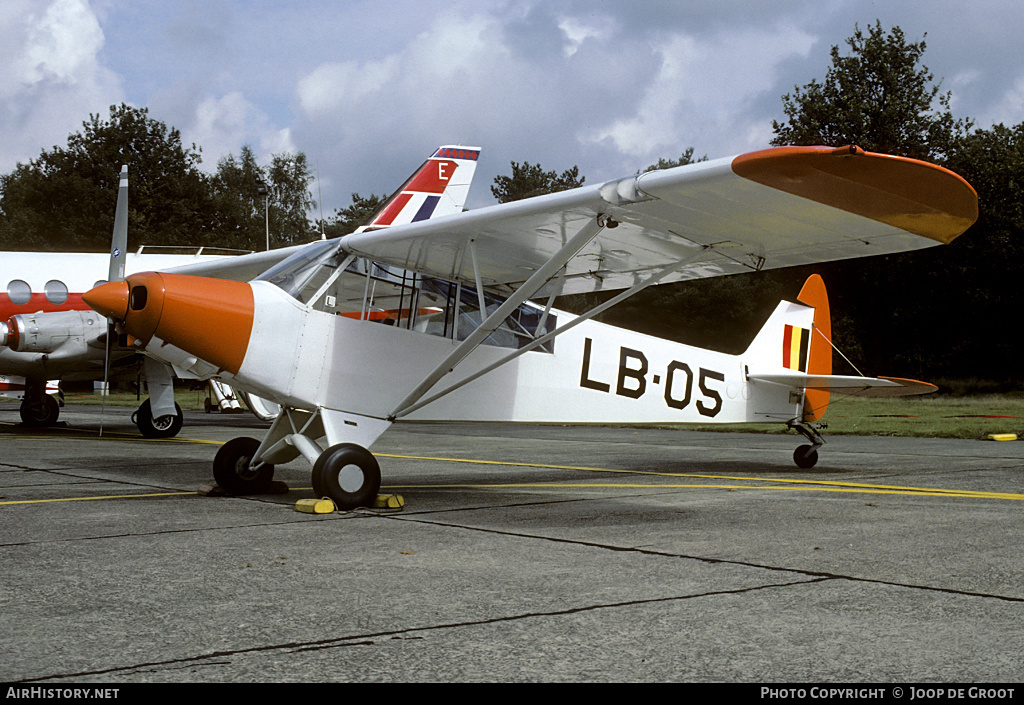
[64, 199]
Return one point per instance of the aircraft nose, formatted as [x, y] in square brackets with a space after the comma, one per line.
[209, 318]
[110, 299]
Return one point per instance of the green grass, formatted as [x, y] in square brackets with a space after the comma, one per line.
[932, 416]
[929, 416]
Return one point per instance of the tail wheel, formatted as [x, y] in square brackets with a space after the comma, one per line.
[348, 474]
[162, 427]
[233, 470]
[805, 456]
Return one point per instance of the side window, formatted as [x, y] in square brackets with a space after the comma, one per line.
[19, 292]
[56, 291]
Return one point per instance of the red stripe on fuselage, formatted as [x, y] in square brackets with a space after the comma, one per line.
[38, 302]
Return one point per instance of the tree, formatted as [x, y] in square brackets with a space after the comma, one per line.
[65, 199]
[346, 220]
[243, 212]
[530, 180]
[685, 158]
[878, 98]
[927, 314]
[289, 178]
[239, 207]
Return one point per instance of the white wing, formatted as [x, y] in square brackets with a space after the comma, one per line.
[775, 208]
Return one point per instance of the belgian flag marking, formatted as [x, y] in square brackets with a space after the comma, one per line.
[795, 344]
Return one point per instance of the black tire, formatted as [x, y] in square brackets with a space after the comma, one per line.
[232, 471]
[164, 427]
[805, 457]
[348, 474]
[45, 412]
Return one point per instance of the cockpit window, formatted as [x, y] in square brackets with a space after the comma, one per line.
[388, 295]
[19, 292]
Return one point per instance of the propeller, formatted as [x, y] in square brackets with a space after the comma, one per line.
[118, 256]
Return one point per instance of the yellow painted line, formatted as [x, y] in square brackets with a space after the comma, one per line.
[773, 483]
[109, 496]
[108, 436]
[817, 484]
[554, 485]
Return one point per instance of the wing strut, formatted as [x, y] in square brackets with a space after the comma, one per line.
[651, 280]
[530, 287]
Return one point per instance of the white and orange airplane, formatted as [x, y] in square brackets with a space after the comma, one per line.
[477, 337]
[48, 333]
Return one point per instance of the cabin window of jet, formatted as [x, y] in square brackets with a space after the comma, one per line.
[19, 292]
[56, 291]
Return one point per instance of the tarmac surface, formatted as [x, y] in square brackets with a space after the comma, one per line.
[523, 553]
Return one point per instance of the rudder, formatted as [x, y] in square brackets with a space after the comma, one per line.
[819, 359]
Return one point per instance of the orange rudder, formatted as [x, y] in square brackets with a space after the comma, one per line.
[819, 362]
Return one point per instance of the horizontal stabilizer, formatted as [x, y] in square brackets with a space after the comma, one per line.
[851, 385]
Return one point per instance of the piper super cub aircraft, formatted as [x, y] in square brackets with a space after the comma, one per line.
[473, 335]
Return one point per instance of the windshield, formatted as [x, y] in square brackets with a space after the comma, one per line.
[305, 269]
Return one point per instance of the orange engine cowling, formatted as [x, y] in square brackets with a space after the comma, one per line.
[209, 318]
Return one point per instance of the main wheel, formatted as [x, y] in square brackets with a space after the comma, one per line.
[163, 427]
[348, 474]
[805, 456]
[232, 467]
[41, 412]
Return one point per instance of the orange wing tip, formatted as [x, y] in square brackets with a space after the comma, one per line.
[909, 387]
[915, 196]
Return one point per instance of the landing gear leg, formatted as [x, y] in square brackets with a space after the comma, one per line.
[346, 472]
[806, 456]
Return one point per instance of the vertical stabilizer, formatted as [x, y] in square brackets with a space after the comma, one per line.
[438, 188]
[795, 344]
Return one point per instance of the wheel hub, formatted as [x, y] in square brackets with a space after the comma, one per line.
[351, 478]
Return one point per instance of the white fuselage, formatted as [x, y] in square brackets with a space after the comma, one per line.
[597, 373]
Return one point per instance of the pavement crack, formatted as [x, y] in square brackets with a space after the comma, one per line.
[370, 639]
[825, 575]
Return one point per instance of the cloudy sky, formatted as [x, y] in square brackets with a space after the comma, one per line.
[367, 89]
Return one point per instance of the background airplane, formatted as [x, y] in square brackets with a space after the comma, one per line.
[499, 351]
[48, 333]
